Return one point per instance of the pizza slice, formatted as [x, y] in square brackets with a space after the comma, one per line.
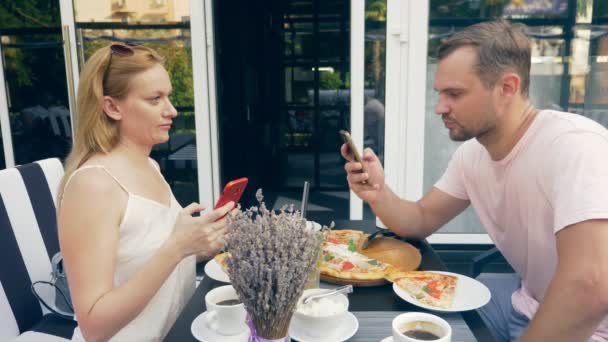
[429, 288]
[340, 261]
[353, 239]
[221, 260]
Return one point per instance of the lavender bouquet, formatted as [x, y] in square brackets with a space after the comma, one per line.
[271, 255]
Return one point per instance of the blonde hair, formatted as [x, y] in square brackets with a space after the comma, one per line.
[105, 74]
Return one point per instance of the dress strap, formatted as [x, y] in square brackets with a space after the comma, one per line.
[96, 167]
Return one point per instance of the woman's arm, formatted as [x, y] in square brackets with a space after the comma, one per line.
[89, 218]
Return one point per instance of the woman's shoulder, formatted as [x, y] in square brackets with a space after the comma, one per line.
[93, 178]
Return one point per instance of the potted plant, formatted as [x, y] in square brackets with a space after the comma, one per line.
[270, 257]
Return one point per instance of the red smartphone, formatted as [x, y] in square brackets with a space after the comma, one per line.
[232, 192]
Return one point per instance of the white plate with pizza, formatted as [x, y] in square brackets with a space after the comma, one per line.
[440, 291]
[214, 270]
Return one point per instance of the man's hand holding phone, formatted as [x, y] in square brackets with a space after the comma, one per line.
[365, 177]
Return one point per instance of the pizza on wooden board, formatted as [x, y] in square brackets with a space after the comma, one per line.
[340, 262]
[341, 257]
[429, 288]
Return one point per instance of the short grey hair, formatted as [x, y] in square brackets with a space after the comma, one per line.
[501, 47]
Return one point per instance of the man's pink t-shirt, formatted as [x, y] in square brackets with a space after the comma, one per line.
[555, 176]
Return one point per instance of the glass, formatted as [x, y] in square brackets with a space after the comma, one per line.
[313, 105]
[600, 9]
[314, 277]
[2, 159]
[331, 34]
[35, 77]
[375, 81]
[129, 11]
[447, 9]
[99, 23]
[556, 80]
[298, 38]
[299, 85]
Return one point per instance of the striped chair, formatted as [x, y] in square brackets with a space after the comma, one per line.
[28, 240]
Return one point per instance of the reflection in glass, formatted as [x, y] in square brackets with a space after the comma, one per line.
[316, 104]
[548, 82]
[600, 9]
[440, 9]
[596, 100]
[135, 12]
[375, 80]
[98, 23]
[34, 72]
[2, 159]
[299, 85]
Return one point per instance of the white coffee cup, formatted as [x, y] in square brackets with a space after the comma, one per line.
[430, 323]
[224, 319]
[315, 226]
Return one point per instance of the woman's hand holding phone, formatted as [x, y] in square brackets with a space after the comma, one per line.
[201, 235]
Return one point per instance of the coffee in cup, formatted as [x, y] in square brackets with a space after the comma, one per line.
[229, 302]
[419, 326]
[421, 330]
[225, 312]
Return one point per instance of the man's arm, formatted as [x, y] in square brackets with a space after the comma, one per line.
[417, 219]
[577, 298]
[406, 218]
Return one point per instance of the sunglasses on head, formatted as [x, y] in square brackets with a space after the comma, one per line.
[120, 50]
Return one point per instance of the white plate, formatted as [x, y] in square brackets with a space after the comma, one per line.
[214, 271]
[203, 333]
[347, 327]
[470, 294]
[387, 339]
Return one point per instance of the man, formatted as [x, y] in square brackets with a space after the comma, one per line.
[538, 180]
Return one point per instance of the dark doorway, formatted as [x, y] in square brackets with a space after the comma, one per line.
[283, 80]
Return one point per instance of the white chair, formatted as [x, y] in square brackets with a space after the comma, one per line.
[28, 240]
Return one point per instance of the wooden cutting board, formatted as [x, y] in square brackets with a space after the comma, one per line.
[397, 253]
[400, 254]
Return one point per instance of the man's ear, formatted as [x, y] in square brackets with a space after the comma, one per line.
[509, 84]
[111, 108]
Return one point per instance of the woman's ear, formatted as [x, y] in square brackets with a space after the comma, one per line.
[111, 108]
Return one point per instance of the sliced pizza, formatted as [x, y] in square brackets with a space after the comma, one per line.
[340, 261]
[429, 288]
[353, 239]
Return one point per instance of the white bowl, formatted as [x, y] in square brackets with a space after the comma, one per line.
[325, 322]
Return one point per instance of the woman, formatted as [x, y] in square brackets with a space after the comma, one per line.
[128, 246]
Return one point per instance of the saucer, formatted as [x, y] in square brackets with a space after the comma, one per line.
[387, 339]
[347, 327]
[201, 332]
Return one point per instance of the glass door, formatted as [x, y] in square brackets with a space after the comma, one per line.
[35, 103]
[283, 94]
[164, 26]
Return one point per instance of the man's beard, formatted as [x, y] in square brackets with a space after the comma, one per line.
[460, 133]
